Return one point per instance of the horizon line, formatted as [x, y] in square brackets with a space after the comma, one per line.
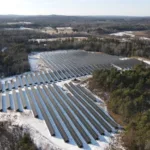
[74, 15]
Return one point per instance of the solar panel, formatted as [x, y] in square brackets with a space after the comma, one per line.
[67, 122]
[86, 111]
[17, 101]
[32, 98]
[24, 99]
[94, 106]
[33, 107]
[24, 81]
[0, 87]
[1, 102]
[71, 116]
[88, 93]
[12, 105]
[98, 117]
[58, 78]
[17, 83]
[4, 105]
[53, 76]
[9, 86]
[34, 79]
[49, 77]
[77, 112]
[6, 85]
[47, 80]
[7, 101]
[29, 80]
[20, 80]
[53, 115]
[3, 87]
[44, 78]
[38, 76]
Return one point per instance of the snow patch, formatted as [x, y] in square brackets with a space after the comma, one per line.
[144, 38]
[125, 33]
[125, 58]
[145, 61]
[35, 127]
[33, 61]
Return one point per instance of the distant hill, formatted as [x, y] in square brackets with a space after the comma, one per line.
[60, 20]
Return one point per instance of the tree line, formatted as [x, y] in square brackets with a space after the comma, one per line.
[14, 60]
[129, 93]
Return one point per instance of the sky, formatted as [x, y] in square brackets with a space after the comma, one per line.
[76, 7]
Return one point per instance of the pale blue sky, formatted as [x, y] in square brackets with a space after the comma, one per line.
[76, 7]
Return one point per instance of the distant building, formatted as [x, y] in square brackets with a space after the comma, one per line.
[65, 30]
[49, 30]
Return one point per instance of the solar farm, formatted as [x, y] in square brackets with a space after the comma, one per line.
[69, 111]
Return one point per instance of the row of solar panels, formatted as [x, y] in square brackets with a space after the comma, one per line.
[74, 115]
[62, 61]
[71, 59]
[48, 77]
[127, 64]
[14, 100]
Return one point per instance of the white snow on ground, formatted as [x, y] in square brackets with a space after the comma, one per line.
[138, 58]
[14, 23]
[144, 38]
[37, 128]
[125, 58]
[33, 61]
[36, 64]
[144, 60]
[41, 136]
[125, 33]
[55, 39]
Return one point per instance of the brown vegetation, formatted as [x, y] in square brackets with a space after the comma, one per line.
[142, 33]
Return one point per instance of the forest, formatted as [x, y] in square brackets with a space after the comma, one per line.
[129, 98]
[15, 138]
[91, 24]
[15, 47]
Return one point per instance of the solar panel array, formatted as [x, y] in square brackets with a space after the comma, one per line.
[77, 61]
[37, 78]
[127, 64]
[74, 114]
[64, 65]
